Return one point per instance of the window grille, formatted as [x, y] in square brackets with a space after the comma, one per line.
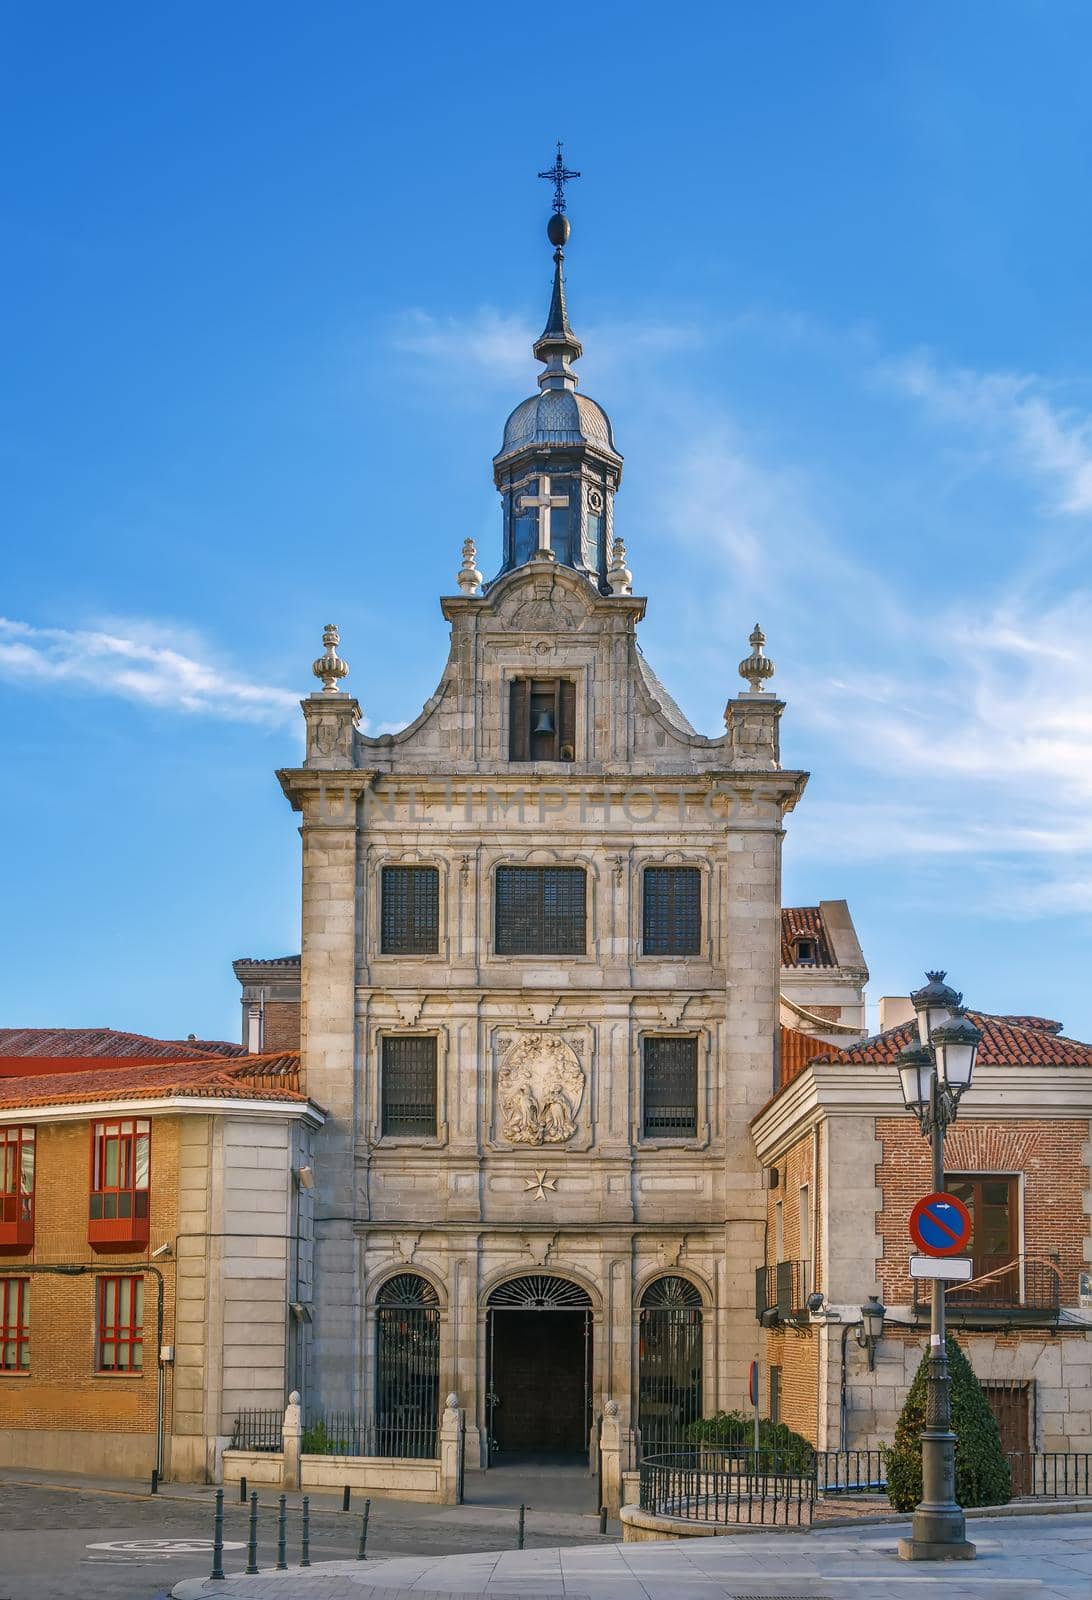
[541, 911]
[16, 1188]
[670, 1368]
[410, 917]
[14, 1324]
[121, 1324]
[409, 1086]
[407, 1369]
[670, 1088]
[542, 719]
[672, 921]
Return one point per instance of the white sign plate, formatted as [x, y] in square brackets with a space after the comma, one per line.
[953, 1269]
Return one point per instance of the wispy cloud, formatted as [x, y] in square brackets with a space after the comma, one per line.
[140, 662]
[1014, 420]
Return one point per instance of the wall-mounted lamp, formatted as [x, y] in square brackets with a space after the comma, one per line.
[870, 1330]
[306, 1178]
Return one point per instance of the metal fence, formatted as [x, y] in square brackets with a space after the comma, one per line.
[257, 1430]
[1051, 1474]
[341, 1433]
[723, 1486]
[849, 1472]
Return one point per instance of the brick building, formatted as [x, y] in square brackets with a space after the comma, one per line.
[154, 1236]
[844, 1164]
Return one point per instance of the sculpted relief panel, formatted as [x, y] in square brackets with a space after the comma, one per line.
[539, 1087]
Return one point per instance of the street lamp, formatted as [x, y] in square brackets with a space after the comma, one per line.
[935, 1074]
[870, 1331]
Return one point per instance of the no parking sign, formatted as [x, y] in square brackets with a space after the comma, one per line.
[940, 1225]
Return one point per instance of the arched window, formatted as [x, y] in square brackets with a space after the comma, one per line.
[407, 1367]
[669, 1376]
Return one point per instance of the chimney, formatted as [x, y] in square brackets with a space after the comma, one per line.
[895, 1009]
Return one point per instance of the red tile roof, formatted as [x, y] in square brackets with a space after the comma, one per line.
[89, 1042]
[797, 1049]
[804, 922]
[264, 1077]
[1006, 1042]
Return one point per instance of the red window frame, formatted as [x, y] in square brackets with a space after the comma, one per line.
[14, 1325]
[119, 1323]
[121, 1153]
[17, 1146]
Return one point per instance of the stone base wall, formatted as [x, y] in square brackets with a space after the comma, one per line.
[98, 1454]
[1057, 1366]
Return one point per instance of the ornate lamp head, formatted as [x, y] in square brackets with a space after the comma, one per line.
[329, 667]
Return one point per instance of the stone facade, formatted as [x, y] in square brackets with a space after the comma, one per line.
[463, 1207]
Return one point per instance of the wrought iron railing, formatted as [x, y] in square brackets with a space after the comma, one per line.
[1051, 1474]
[718, 1486]
[341, 1433]
[1040, 1294]
[849, 1472]
[257, 1430]
[782, 1289]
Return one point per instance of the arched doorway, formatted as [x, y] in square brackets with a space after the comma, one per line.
[669, 1364]
[407, 1367]
[538, 1398]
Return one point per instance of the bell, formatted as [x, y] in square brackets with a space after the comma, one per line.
[543, 722]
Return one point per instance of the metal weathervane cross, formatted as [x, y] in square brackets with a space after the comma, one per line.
[559, 175]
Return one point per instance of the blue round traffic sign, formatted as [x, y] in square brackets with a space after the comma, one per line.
[940, 1225]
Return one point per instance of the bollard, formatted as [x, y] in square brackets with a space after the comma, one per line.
[602, 1519]
[282, 1536]
[305, 1555]
[242, 1491]
[155, 1480]
[217, 1573]
[362, 1551]
[522, 1521]
[252, 1537]
[345, 1493]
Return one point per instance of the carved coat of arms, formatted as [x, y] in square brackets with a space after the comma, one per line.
[540, 1087]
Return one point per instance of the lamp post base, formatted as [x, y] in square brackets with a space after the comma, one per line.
[935, 1550]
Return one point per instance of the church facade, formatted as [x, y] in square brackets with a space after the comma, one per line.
[539, 994]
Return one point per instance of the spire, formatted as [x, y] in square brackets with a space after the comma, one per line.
[558, 345]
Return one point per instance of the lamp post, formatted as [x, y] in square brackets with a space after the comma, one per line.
[934, 1075]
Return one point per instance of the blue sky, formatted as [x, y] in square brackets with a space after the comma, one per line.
[272, 273]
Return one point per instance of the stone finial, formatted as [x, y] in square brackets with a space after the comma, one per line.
[452, 1402]
[619, 577]
[329, 667]
[611, 1409]
[469, 578]
[756, 667]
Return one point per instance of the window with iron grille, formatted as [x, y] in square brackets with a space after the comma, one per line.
[16, 1188]
[670, 1088]
[410, 916]
[118, 1208]
[120, 1341]
[542, 719]
[541, 911]
[409, 1086]
[14, 1324]
[672, 920]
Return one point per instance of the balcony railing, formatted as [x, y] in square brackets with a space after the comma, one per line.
[781, 1290]
[1002, 1296]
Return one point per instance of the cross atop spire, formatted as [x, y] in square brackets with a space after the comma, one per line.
[559, 175]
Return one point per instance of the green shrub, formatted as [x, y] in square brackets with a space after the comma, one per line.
[983, 1477]
[779, 1446]
[316, 1441]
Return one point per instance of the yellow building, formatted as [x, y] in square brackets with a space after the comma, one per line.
[155, 1255]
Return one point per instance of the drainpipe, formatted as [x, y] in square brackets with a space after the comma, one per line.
[75, 1269]
[843, 1424]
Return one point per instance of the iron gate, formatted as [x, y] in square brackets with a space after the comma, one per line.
[669, 1364]
[536, 1292]
[407, 1368]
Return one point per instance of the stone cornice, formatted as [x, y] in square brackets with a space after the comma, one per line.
[828, 1089]
[203, 1105]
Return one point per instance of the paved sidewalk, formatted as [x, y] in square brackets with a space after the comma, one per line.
[1027, 1558]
